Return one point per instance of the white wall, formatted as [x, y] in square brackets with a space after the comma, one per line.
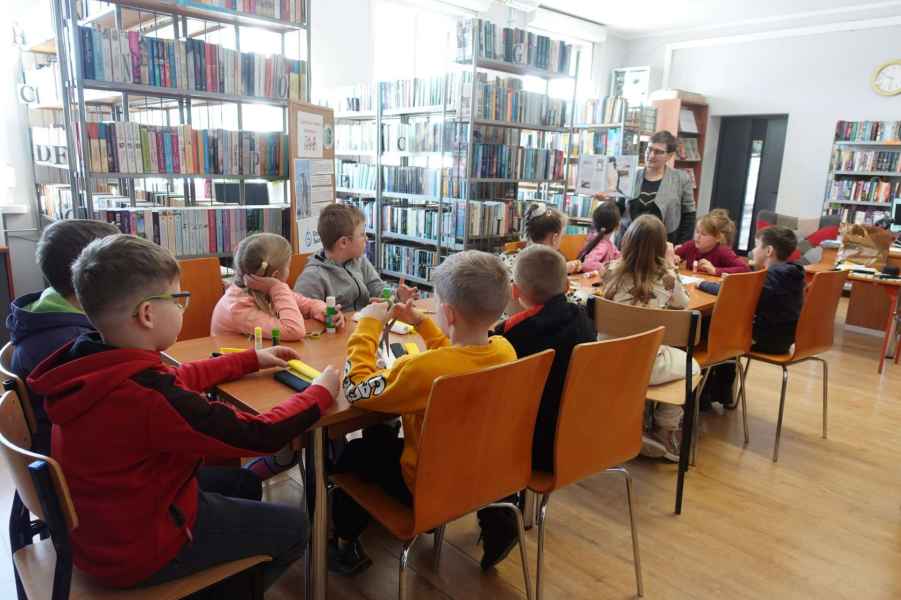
[815, 79]
[341, 44]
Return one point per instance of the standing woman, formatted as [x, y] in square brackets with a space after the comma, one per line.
[662, 191]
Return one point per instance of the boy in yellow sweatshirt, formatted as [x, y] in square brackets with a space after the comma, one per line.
[472, 289]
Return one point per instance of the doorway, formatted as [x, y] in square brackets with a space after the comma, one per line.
[748, 166]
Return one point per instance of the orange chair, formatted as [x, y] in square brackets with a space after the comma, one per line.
[475, 447]
[511, 247]
[571, 245]
[814, 335]
[599, 425]
[44, 569]
[298, 262]
[11, 381]
[729, 337]
[201, 277]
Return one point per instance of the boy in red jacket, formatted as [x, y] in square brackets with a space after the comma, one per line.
[131, 432]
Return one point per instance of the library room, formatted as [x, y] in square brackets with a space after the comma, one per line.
[643, 262]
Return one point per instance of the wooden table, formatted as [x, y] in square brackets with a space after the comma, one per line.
[697, 300]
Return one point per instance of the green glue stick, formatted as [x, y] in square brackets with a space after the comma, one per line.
[330, 313]
[276, 336]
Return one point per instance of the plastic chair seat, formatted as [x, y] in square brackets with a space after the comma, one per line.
[776, 359]
[672, 392]
[36, 562]
[542, 482]
[394, 515]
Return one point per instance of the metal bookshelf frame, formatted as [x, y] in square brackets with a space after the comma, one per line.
[74, 84]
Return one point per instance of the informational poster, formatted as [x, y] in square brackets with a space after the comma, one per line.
[312, 146]
[310, 134]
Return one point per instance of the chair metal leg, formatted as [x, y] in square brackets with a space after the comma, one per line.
[825, 396]
[697, 416]
[439, 544]
[781, 413]
[521, 530]
[404, 557]
[542, 520]
[529, 506]
[744, 399]
[634, 526]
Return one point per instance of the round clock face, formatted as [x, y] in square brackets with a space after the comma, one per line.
[887, 79]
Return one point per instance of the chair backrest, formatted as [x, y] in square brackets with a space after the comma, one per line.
[571, 245]
[201, 277]
[476, 441]
[816, 326]
[602, 405]
[616, 320]
[733, 316]
[6, 360]
[15, 439]
[298, 262]
[511, 247]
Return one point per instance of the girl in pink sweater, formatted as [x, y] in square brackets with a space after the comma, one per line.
[600, 250]
[259, 295]
[711, 250]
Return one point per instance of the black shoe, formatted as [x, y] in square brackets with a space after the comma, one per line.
[347, 559]
[499, 534]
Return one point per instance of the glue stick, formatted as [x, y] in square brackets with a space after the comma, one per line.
[258, 338]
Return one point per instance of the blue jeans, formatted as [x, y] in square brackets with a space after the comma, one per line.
[231, 528]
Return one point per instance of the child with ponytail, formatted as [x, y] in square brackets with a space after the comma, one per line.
[600, 250]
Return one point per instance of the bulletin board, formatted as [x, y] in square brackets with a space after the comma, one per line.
[311, 142]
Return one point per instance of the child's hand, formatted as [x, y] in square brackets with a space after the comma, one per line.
[405, 292]
[573, 266]
[406, 312]
[261, 284]
[671, 256]
[337, 319]
[276, 356]
[377, 310]
[330, 379]
[706, 266]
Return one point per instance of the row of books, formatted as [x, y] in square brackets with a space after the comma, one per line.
[355, 136]
[291, 11]
[574, 205]
[610, 109]
[128, 147]
[360, 97]
[872, 190]
[193, 65]
[423, 92]
[687, 149]
[503, 99]
[868, 131]
[643, 118]
[602, 142]
[859, 216]
[367, 206]
[419, 222]
[413, 180]
[418, 136]
[409, 260]
[865, 160]
[487, 219]
[511, 45]
[356, 175]
[196, 232]
[517, 162]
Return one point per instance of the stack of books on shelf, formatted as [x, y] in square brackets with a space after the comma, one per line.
[196, 231]
[408, 260]
[602, 111]
[517, 162]
[601, 142]
[417, 136]
[691, 176]
[869, 216]
[487, 218]
[355, 176]
[574, 205]
[353, 98]
[127, 147]
[688, 149]
[413, 93]
[868, 131]
[193, 65]
[412, 180]
[355, 136]
[418, 222]
[865, 160]
[368, 208]
[292, 11]
[511, 45]
[871, 190]
[503, 99]
[643, 118]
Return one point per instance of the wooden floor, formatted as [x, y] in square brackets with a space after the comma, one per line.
[825, 522]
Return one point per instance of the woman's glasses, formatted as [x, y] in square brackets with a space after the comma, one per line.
[181, 300]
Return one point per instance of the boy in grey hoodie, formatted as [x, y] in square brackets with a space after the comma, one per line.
[341, 268]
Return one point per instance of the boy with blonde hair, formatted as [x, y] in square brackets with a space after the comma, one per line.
[471, 290]
[131, 432]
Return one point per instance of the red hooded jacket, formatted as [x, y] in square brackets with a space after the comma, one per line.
[130, 433]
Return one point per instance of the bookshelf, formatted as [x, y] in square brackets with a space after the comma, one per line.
[178, 77]
[863, 184]
[685, 116]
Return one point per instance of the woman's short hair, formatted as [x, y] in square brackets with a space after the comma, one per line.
[666, 138]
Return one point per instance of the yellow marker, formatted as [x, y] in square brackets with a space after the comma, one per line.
[224, 350]
[402, 328]
[412, 348]
[302, 369]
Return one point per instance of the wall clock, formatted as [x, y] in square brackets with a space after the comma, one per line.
[886, 79]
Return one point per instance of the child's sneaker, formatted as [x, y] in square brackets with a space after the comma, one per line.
[662, 443]
[265, 467]
[347, 558]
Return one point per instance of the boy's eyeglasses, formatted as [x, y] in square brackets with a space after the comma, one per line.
[181, 300]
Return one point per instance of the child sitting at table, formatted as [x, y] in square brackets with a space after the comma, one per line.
[646, 276]
[600, 250]
[471, 290]
[546, 321]
[782, 296]
[544, 225]
[711, 249]
[341, 269]
[130, 432]
[259, 295]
